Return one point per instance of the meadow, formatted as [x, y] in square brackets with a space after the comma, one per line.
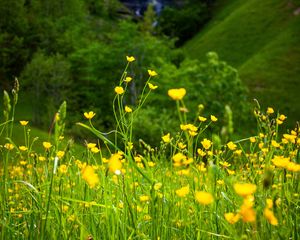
[190, 185]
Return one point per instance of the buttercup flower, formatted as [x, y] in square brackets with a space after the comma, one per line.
[23, 148]
[231, 217]
[128, 79]
[268, 213]
[152, 73]
[177, 94]
[128, 109]
[130, 58]
[270, 217]
[204, 198]
[63, 169]
[231, 146]
[23, 123]
[182, 192]
[60, 154]
[95, 150]
[47, 145]
[9, 146]
[166, 138]
[91, 145]
[151, 86]
[202, 119]
[119, 90]
[213, 118]
[115, 164]
[206, 143]
[89, 175]
[144, 198]
[270, 110]
[244, 189]
[89, 115]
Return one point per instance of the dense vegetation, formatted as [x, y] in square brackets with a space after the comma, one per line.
[260, 39]
[73, 51]
[191, 185]
[169, 146]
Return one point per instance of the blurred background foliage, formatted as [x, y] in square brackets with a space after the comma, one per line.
[75, 50]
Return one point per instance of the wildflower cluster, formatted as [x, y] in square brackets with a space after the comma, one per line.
[191, 184]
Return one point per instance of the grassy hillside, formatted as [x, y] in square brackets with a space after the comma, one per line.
[262, 40]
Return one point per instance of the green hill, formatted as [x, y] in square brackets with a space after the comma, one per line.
[262, 40]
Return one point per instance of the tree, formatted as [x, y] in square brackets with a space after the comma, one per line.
[47, 80]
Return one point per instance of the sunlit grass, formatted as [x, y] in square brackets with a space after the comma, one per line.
[186, 187]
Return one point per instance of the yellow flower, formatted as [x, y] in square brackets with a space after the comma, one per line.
[47, 145]
[119, 90]
[95, 150]
[151, 86]
[202, 119]
[182, 192]
[188, 161]
[147, 217]
[60, 154]
[178, 158]
[151, 164]
[213, 118]
[230, 172]
[89, 115]
[63, 168]
[282, 117]
[89, 175]
[280, 161]
[238, 152]
[231, 146]
[144, 198]
[177, 94]
[201, 167]
[192, 133]
[190, 127]
[9, 146]
[152, 73]
[130, 58]
[91, 145]
[275, 144]
[270, 110]
[206, 143]
[23, 123]
[252, 139]
[65, 208]
[247, 212]
[128, 109]
[269, 203]
[231, 217]
[130, 145]
[270, 216]
[138, 159]
[166, 138]
[181, 145]
[201, 152]
[225, 164]
[114, 163]
[157, 186]
[41, 158]
[220, 182]
[128, 79]
[244, 189]
[204, 198]
[23, 148]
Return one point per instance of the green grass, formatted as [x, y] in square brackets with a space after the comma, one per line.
[260, 39]
[171, 191]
